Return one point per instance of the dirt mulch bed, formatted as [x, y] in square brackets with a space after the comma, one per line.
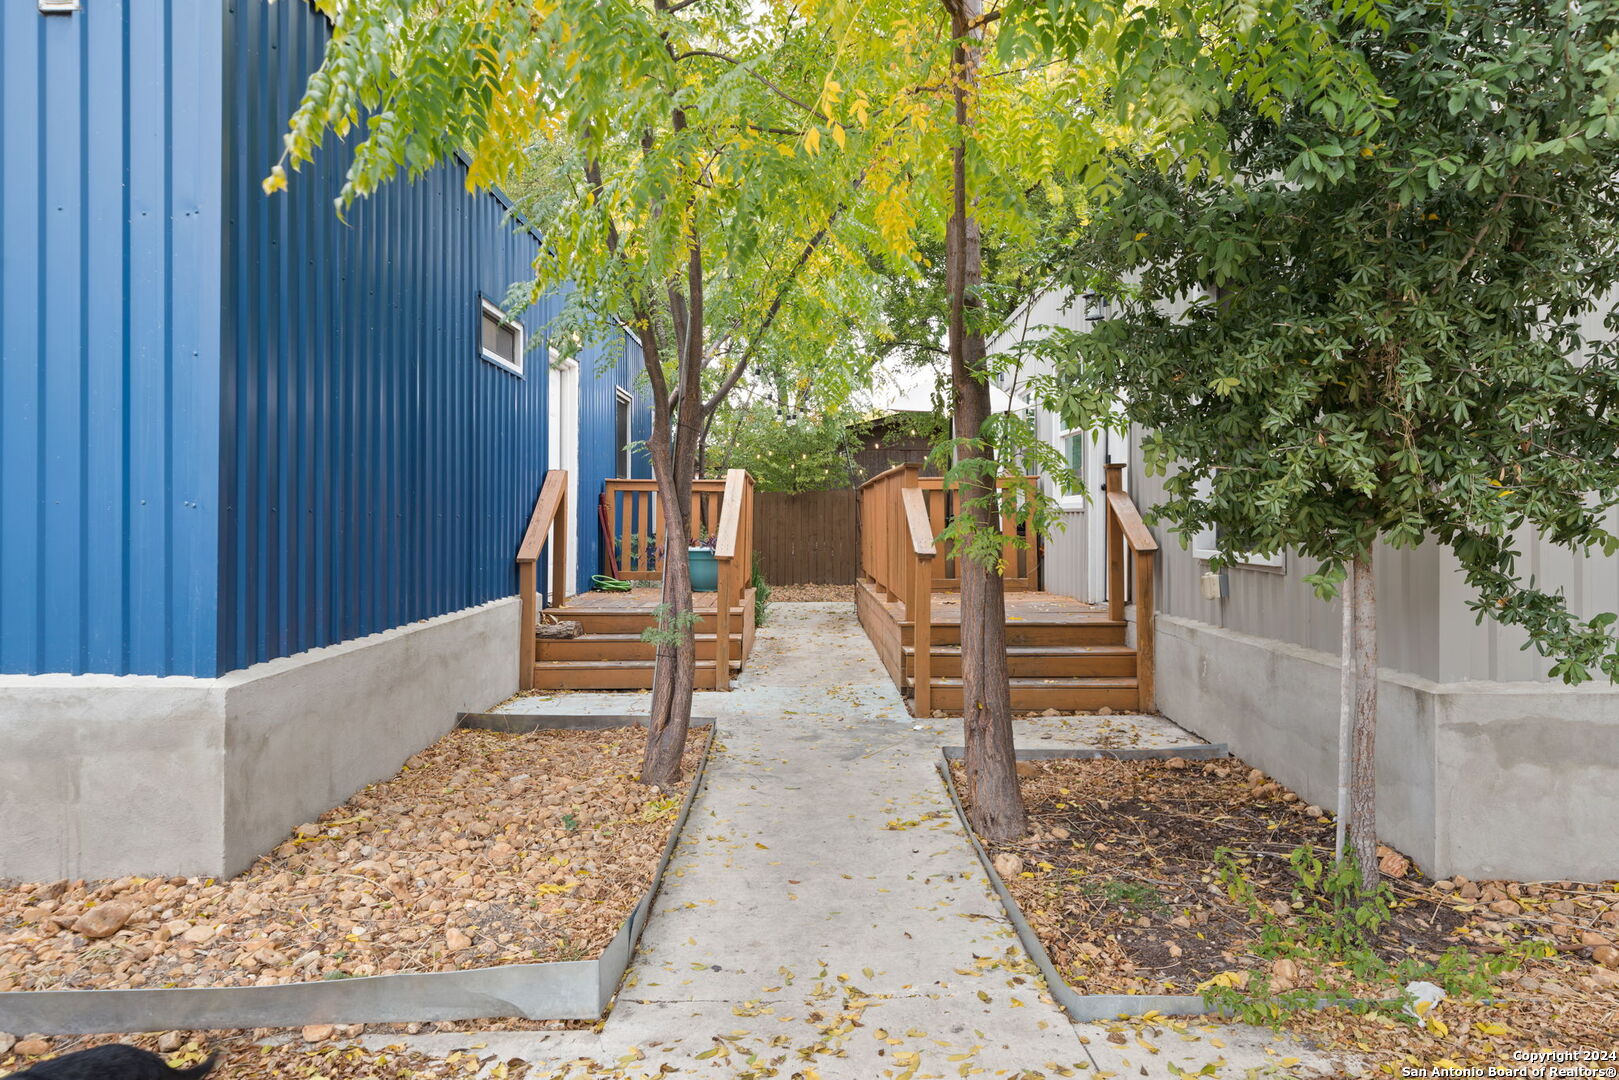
[488, 848]
[1118, 879]
[810, 594]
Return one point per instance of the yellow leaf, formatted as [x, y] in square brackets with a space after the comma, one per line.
[1225, 978]
[276, 181]
[838, 136]
[812, 139]
[1490, 1027]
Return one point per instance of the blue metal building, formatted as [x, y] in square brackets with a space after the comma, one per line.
[232, 427]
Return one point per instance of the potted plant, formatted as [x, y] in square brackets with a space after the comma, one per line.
[705, 571]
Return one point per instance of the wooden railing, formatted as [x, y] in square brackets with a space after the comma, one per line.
[633, 521]
[940, 506]
[733, 550]
[902, 513]
[1125, 529]
[549, 520]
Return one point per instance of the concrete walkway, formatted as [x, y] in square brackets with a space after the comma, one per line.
[825, 915]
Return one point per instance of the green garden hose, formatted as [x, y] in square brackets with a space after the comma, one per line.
[603, 583]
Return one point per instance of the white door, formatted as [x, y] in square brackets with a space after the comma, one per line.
[563, 413]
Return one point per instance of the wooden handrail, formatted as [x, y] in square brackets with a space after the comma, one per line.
[619, 483]
[733, 531]
[916, 516]
[1125, 529]
[551, 505]
[1135, 530]
[730, 515]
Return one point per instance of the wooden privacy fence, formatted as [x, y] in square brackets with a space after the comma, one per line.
[808, 538]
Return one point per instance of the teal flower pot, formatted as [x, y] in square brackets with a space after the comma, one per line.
[705, 571]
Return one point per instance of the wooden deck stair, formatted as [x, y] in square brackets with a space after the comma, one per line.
[610, 655]
[1061, 653]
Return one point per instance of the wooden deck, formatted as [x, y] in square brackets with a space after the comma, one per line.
[1061, 653]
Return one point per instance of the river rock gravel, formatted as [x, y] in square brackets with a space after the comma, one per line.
[487, 848]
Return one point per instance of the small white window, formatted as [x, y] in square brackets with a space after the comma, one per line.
[1205, 545]
[501, 339]
[58, 7]
[1070, 443]
[621, 429]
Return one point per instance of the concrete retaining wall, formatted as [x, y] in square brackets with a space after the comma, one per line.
[102, 776]
[1516, 780]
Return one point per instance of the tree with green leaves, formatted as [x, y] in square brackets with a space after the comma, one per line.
[1074, 83]
[1373, 333]
[698, 208]
[784, 449]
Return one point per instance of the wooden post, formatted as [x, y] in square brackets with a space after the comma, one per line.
[918, 550]
[1145, 643]
[527, 611]
[1115, 548]
[722, 627]
[559, 551]
[922, 637]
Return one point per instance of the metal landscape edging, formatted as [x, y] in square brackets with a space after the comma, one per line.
[561, 990]
[1084, 1008]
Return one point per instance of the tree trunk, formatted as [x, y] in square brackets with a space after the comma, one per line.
[1346, 708]
[673, 450]
[997, 804]
[1363, 763]
[675, 670]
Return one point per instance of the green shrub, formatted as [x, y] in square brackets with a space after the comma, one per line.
[761, 593]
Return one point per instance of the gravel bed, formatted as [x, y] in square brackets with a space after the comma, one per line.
[487, 848]
[800, 594]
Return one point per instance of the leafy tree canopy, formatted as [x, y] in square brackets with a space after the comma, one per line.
[1397, 333]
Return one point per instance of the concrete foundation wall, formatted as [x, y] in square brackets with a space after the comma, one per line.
[102, 776]
[1483, 779]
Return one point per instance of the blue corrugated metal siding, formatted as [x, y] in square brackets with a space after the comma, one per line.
[376, 470]
[233, 428]
[109, 225]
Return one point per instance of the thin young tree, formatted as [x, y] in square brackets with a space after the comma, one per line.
[1392, 338]
[698, 210]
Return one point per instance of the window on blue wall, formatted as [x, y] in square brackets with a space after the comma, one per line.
[622, 429]
[502, 339]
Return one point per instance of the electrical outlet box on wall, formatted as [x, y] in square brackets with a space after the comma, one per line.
[1213, 585]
